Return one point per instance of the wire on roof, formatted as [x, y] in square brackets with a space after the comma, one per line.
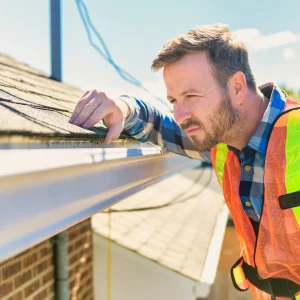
[104, 51]
[174, 201]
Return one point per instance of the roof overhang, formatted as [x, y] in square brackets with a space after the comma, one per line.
[198, 289]
[201, 288]
[45, 191]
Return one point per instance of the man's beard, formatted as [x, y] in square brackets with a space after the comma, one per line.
[221, 126]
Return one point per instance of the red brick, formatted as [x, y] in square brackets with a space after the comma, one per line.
[40, 267]
[51, 288]
[89, 259]
[51, 297]
[80, 273]
[90, 283]
[48, 277]
[31, 288]
[23, 278]
[50, 262]
[72, 273]
[41, 295]
[80, 243]
[72, 284]
[71, 248]
[18, 296]
[6, 288]
[73, 234]
[85, 228]
[30, 260]
[87, 294]
[45, 251]
[74, 258]
[85, 274]
[11, 270]
[19, 256]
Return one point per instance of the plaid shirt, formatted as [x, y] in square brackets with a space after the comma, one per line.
[147, 124]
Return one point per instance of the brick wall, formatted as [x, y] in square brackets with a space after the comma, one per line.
[29, 275]
[81, 261]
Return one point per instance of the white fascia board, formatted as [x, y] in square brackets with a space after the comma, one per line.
[44, 193]
[136, 258]
[202, 288]
[18, 161]
[213, 254]
[198, 289]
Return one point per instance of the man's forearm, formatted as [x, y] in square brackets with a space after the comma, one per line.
[146, 123]
[124, 107]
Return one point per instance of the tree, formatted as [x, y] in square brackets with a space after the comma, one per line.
[292, 93]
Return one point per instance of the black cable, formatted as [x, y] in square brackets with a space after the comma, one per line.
[170, 203]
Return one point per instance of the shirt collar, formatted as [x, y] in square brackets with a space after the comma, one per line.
[277, 101]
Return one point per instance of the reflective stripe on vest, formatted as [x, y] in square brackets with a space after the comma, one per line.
[238, 276]
[292, 150]
[220, 159]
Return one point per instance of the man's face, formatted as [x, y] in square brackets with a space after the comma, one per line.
[201, 108]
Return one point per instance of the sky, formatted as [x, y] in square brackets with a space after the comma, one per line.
[135, 30]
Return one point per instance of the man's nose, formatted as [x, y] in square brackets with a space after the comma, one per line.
[181, 114]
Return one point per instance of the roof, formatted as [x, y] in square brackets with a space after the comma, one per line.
[185, 237]
[35, 109]
[50, 169]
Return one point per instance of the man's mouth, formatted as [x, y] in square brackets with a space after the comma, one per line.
[192, 130]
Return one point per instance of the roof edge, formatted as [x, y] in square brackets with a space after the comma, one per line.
[21, 161]
[37, 205]
[211, 264]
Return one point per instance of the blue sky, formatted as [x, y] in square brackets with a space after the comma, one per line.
[135, 30]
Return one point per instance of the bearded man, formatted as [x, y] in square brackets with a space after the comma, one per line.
[249, 133]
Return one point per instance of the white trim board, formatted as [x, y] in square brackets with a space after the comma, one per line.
[20, 161]
[199, 289]
[39, 204]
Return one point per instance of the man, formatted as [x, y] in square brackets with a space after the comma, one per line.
[250, 134]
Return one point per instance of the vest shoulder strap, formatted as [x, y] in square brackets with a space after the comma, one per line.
[219, 156]
[288, 127]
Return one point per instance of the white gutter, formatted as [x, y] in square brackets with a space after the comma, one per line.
[18, 161]
[45, 191]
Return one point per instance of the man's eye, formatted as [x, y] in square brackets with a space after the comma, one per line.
[173, 101]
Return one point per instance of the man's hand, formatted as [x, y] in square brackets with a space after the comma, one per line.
[94, 106]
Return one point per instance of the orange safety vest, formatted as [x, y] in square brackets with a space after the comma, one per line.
[270, 258]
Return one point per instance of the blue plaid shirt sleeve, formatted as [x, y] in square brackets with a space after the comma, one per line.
[147, 124]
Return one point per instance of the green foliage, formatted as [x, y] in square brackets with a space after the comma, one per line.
[292, 93]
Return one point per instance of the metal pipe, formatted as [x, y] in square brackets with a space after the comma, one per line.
[61, 272]
[55, 28]
[60, 241]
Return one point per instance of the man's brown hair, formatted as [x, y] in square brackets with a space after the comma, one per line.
[226, 54]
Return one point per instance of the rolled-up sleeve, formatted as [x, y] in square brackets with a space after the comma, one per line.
[148, 124]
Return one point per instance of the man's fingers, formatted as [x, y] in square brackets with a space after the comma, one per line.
[95, 106]
[80, 105]
[98, 114]
[114, 132]
[87, 111]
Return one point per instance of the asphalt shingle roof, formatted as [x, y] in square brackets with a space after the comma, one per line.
[34, 107]
[178, 236]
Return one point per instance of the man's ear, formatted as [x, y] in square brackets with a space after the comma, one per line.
[237, 87]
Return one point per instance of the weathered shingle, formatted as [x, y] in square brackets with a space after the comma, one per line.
[36, 107]
[178, 236]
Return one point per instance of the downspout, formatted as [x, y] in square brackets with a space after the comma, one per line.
[55, 43]
[60, 241]
[61, 272]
